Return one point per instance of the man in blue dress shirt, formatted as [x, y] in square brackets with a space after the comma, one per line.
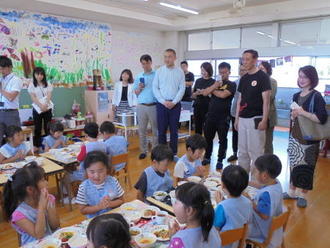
[169, 88]
[10, 87]
[146, 108]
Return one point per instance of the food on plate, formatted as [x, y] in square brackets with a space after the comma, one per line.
[214, 179]
[65, 236]
[7, 167]
[160, 195]
[129, 207]
[210, 184]
[163, 234]
[149, 213]
[145, 240]
[134, 231]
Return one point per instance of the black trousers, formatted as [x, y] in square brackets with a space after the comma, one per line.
[220, 127]
[200, 118]
[39, 119]
[234, 136]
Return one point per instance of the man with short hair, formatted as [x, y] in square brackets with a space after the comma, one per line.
[10, 87]
[189, 78]
[218, 115]
[252, 111]
[169, 87]
[146, 108]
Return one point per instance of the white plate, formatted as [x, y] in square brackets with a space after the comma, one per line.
[214, 179]
[132, 216]
[210, 184]
[73, 230]
[78, 241]
[135, 228]
[50, 243]
[9, 166]
[152, 208]
[30, 158]
[194, 179]
[159, 228]
[129, 207]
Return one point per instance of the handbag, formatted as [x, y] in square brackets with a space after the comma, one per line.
[312, 131]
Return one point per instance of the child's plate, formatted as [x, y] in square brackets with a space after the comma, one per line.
[149, 212]
[9, 166]
[161, 232]
[134, 231]
[214, 179]
[210, 184]
[50, 243]
[194, 179]
[129, 207]
[132, 216]
[30, 158]
[78, 241]
[66, 233]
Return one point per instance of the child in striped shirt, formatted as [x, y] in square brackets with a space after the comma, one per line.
[99, 193]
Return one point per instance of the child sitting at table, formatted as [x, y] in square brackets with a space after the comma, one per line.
[236, 210]
[55, 139]
[92, 131]
[28, 205]
[109, 231]
[15, 149]
[115, 144]
[268, 201]
[190, 164]
[193, 208]
[157, 176]
[99, 193]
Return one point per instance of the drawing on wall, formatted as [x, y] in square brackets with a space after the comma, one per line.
[68, 49]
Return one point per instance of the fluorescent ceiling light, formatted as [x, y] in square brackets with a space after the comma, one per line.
[178, 7]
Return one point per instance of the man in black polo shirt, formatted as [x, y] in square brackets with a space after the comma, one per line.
[252, 111]
[218, 116]
[189, 78]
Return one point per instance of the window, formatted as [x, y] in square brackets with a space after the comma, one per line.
[259, 36]
[224, 39]
[199, 41]
[322, 65]
[300, 33]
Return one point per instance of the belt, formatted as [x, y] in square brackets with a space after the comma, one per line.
[148, 104]
[7, 110]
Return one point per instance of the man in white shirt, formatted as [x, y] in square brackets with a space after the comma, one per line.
[169, 87]
[10, 87]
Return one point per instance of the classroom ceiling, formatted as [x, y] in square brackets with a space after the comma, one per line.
[153, 7]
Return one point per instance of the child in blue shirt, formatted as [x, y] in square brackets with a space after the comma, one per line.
[157, 176]
[99, 193]
[268, 201]
[55, 139]
[193, 208]
[15, 149]
[236, 210]
[115, 144]
[190, 164]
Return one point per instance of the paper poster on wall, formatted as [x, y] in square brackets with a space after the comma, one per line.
[68, 49]
[279, 61]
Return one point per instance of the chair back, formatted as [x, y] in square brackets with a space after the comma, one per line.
[231, 236]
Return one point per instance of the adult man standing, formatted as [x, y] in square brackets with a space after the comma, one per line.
[218, 115]
[10, 87]
[252, 111]
[146, 108]
[169, 87]
[189, 78]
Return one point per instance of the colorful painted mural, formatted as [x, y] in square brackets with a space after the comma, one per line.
[68, 49]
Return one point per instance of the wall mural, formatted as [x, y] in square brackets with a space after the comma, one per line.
[68, 49]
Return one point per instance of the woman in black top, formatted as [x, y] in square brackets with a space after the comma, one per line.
[302, 153]
[201, 103]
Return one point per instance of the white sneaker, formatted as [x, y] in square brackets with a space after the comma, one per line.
[66, 200]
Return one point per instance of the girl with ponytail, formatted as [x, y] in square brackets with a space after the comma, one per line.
[28, 205]
[193, 208]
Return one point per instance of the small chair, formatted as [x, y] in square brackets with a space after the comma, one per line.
[123, 173]
[235, 235]
[277, 222]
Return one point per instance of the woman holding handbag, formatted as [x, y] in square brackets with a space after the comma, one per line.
[41, 93]
[303, 153]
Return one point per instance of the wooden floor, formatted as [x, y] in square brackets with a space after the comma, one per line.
[308, 227]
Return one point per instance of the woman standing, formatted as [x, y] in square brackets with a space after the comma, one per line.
[124, 98]
[201, 103]
[267, 68]
[41, 94]
[303, 154]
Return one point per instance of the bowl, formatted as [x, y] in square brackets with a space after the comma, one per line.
[194, 179]
[78, 241]
[160, 195]
[145, 240]
[50, 243]
[214, 179]
[150, 212]
[135, 231]
[210, 184]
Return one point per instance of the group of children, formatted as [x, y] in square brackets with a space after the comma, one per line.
[31, 209]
